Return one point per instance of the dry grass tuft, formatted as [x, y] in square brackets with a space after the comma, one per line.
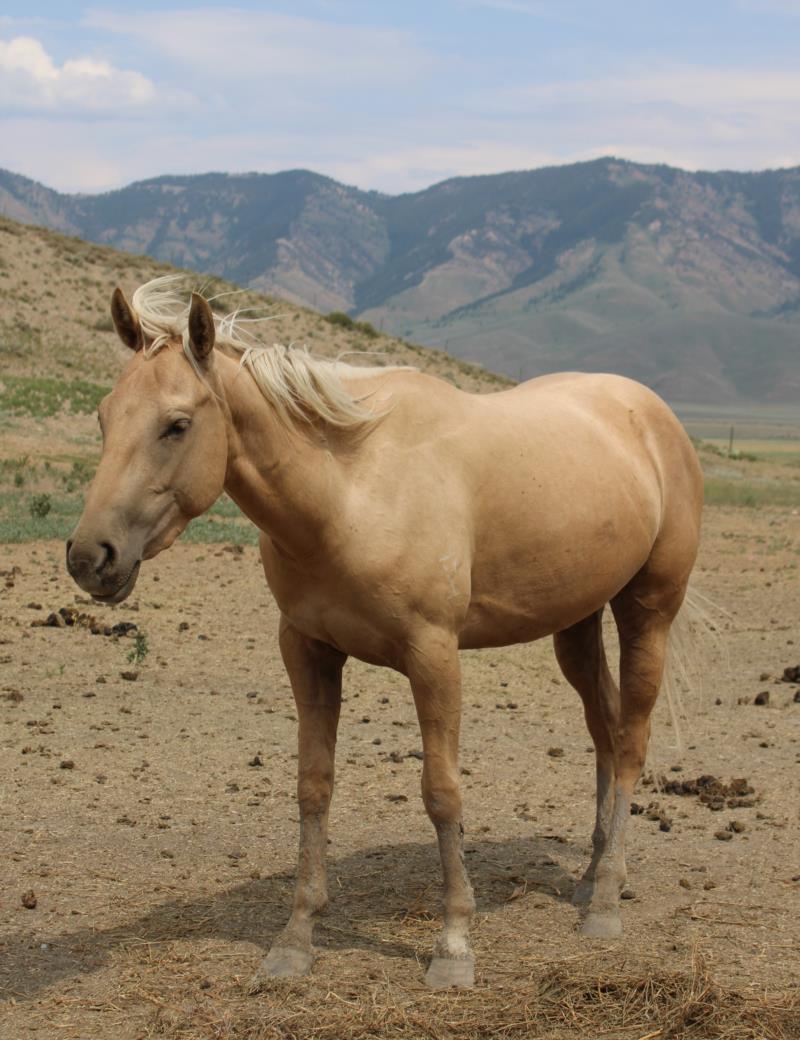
[571, 999]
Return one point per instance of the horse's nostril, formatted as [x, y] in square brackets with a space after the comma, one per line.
[110, 555]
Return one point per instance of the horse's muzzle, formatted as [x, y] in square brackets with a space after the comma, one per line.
[98, 569]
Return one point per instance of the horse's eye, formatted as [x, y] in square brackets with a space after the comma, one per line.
[180, 426]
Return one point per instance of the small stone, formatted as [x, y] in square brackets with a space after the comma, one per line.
[396, 798]
[736, 826]
[709, 884]
[665, 824]
[29, 899]
[627, 893]
[101, 679]
[66, 763]
[718, 701]
[685, 882]
[205, 984]
[555, 752]
[255, 761]
[376, 740]
[723, 835]
[129, 676]
[762, 698]
[183, 626]
[797, 696]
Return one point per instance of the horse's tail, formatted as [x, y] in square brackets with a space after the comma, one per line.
[695, 647]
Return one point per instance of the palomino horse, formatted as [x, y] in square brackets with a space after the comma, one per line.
[402, 519]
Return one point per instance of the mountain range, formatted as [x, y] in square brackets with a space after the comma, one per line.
[687, 281]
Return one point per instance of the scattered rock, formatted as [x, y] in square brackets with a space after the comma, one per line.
[684, 882]
[255, 761]
[792, 674]
[762, 698]
[723, 835]
[130, 676]
[66, 763]
[396, 798]
[29, 899]
[736, 826]
[555, 752]
[13, 697]
[627, 893]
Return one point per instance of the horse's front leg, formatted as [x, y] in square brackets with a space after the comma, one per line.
[433, 670]
[315, 672]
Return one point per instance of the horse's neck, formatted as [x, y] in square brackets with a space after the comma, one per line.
[278, 475]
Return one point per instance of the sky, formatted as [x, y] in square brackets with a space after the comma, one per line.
[393, 96]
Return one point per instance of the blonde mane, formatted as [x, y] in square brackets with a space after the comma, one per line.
[295, 382]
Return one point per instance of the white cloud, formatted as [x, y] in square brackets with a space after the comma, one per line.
[31, 80]
[693, 87]
[230, 44]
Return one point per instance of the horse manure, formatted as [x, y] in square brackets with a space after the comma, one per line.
[715, 794]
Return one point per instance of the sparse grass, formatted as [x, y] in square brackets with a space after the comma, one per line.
[19, 522]
[42, 397]
[721, 492]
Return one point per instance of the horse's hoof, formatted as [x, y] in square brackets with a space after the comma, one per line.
[451, 971]
[606, 925]
[284, 962]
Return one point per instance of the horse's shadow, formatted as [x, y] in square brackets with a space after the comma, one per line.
[385, 883]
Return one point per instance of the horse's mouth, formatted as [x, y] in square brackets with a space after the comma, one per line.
[122, 591]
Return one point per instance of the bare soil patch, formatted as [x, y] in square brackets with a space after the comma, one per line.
[149, 824]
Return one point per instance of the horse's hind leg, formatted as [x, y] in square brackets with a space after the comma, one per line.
[644, 611]
[581, 656]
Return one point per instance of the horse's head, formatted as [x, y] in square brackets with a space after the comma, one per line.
[164, 454]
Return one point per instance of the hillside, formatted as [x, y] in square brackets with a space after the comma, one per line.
[688, 281]
[54, 314]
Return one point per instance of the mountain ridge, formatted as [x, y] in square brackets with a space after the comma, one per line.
[688, 281]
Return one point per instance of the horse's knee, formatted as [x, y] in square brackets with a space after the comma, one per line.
[314, 794]
[442, 798]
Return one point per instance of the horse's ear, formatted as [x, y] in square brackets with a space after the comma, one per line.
[125, 321]
[201, 329]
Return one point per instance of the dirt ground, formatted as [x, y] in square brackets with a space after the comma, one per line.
[152, 821]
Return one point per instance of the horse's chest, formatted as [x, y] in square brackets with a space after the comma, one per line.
[333, 609]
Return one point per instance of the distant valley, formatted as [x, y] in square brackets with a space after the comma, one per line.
[687, 281]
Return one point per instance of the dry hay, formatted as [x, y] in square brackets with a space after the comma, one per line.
[572, 999]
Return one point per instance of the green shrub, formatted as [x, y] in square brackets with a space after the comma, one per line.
[341, 319]
[40, 505]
